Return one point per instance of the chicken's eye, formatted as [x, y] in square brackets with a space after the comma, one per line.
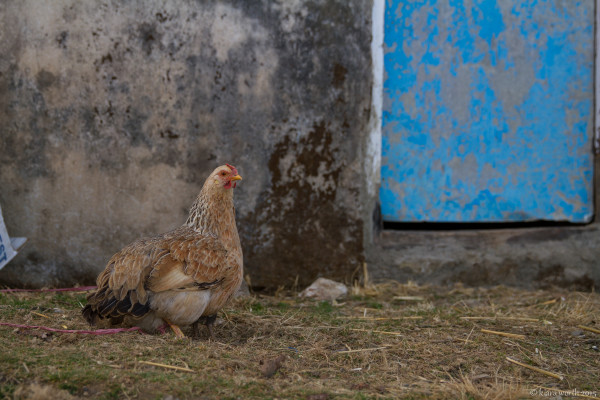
[223, 173]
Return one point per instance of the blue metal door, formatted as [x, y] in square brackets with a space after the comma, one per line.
[488, 111]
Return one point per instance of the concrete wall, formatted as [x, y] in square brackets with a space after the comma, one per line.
[112, 114]
[540, 257]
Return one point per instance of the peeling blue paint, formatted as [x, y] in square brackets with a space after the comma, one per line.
[487, 16]
[488, 111]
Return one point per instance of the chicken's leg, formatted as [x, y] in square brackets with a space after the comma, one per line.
[176, 330]
[209, 321]
[195, 330]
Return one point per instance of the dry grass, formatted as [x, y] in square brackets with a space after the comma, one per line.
[385, 341]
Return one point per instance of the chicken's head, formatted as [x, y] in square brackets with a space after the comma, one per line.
[226, 176]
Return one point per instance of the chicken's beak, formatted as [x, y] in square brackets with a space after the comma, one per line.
[236, 178]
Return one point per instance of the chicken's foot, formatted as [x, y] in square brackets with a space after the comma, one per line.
[210, 331]
[195, 330]
[209, 321]
[176, 330]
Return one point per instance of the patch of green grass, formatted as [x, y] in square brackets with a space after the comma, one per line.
[17, 301]
[67, 299]
[69, 387]
[323, 307]
[257, 309]
[7, 390]
[255, 388]
[114, 392]
[375, 305]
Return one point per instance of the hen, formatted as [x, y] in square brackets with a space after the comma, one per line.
[182, 277]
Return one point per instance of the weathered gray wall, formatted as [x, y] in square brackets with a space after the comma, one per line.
[112, 114]
[526, 257]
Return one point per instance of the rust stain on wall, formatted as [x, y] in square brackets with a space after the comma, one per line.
[303, 232]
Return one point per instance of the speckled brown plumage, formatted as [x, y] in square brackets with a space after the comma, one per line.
[182, 276]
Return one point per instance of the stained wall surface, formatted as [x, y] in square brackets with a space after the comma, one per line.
[112, 115]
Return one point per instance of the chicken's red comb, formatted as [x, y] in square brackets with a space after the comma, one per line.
[233, 169]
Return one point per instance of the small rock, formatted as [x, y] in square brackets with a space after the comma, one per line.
[360, 386]
[325, 289]
[269, 367]
[577, 332]
[243, 291]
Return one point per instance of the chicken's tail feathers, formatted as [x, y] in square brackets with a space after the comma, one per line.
[104, 304]
[90, 315]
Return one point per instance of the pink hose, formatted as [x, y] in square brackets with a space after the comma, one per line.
[74, 289]
[94, 332]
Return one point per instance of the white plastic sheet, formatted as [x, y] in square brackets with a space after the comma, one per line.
[8, 246]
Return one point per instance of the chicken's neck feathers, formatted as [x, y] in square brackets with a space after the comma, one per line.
[213, 214]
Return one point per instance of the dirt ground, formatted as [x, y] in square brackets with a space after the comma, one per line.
[383, 341]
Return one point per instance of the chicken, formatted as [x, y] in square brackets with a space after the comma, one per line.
[182, 277]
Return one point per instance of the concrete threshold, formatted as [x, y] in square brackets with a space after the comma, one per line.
[540, 257]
